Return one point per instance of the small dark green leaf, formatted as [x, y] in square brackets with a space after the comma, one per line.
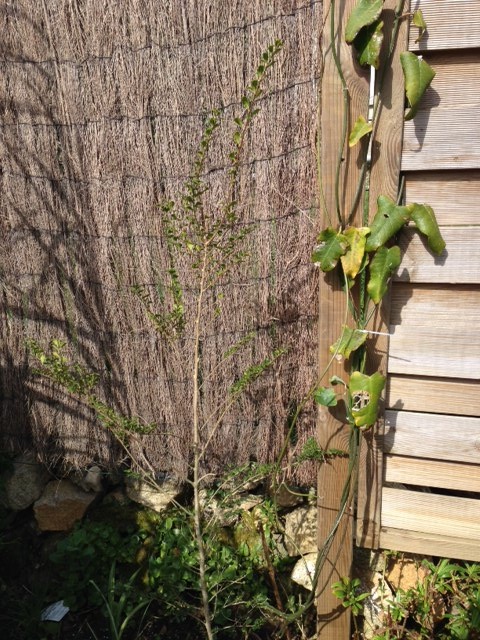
[332, 245]
[360, 128]
[336, 380]
[364, 13]
[368, 44]
[418, 76]
[349, 341]
[325, 396]
[384, 263]
[389, 219]
[426, 223]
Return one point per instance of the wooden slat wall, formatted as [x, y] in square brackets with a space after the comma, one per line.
[430, 450]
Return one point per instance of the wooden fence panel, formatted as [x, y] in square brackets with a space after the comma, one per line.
[429, 451]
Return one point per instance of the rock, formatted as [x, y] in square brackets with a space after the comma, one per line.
[286, 496]
[61, 505]
[157, 497]
[249, 501]
[25, 482]
[301, 531]
[304, 570]
[369, 568]
[89, 480]
[405, 572]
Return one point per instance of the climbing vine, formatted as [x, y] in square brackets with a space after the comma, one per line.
[367, 256]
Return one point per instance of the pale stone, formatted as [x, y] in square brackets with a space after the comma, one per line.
[301, 531]
[61, 505]
[304, 570]
[227, 515]
[93, 479]
[157, 498]
[369, 567]
[89, 480]
[249, 501]
[25, 482]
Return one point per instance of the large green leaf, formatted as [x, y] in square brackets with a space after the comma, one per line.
[365, 392]
[418, 76]
[364, 13]
[349, 341]
[353, 258]
[389, 219]
[384, 263]
[360, 128]
[333, 244]
[368, 44]
[426, 222]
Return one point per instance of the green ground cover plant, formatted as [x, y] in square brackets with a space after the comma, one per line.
[443, 605]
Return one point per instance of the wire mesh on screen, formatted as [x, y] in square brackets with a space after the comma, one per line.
[103, 106]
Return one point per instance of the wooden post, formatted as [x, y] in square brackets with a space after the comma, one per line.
[333, 432]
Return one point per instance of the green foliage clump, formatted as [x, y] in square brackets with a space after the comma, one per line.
[444, 604]
[86, 554]
[236, 578]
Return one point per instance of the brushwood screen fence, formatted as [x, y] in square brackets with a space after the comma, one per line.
[102, 106]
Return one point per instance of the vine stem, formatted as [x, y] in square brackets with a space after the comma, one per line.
[197, 451]
[346, 106]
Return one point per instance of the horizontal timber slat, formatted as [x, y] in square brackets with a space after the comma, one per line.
[431, 513]
[427, 305]
[434, 351]
[426, 544]
[453, 195]
[429, 148]
[444, 134]
[459, 263]
[435, 331]
[433, 395]
[451, 24]
[432, 473]
[431, 436]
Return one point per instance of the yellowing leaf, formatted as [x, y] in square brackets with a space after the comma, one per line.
[349, 341]
[365, 392]
[353, 258]
[418, 76]
[360, 128]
